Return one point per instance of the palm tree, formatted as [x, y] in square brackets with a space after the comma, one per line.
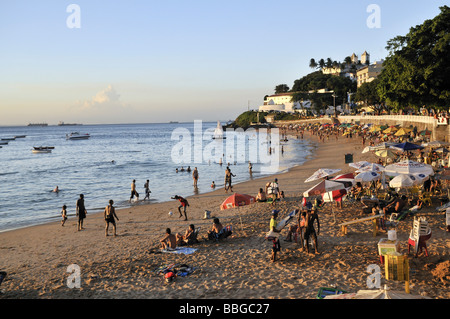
[312, 64]
[329, 63]
[348, 60]
[321, 63]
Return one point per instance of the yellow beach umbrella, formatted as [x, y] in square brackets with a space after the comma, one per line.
[385, 153]
[402, 131]
[390, 129]
[375, 128]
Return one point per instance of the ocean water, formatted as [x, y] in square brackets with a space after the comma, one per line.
[104, 166]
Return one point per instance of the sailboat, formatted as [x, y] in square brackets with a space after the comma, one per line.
[218, 132]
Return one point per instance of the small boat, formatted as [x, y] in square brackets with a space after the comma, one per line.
[42, 149]
[218, 132]
[8, 139]
[77, 136]
[20, 136]
[4, 143]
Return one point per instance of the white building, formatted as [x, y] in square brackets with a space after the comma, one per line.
[280, 103]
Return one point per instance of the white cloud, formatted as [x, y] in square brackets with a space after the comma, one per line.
[107, 98]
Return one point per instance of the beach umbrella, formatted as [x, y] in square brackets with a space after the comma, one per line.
[425, 132]
[371, 167]
[385, 153]
[402, 131]
[419, 178]
[367, 176]
[436, 144]
[359, 164]
[406, 146]
[237, 200]
[376, 294]
[391, 129]
[321, 173]
[375, 128]
[402, 181]
[408, 167]
[347, 179]
[323, 187]
[442, 150]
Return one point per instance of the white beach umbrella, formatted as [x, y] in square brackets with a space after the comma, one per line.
[359, 165]
[323, 187]
[372, 167]
[322, 173]
[435, 144]
[408, 167]
[367, 176]
[402, 181]
[419, 178]
[385, 293]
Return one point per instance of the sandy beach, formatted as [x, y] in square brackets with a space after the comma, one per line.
[36, 258]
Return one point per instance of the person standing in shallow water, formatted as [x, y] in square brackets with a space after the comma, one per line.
[133, 190]
[81, 212]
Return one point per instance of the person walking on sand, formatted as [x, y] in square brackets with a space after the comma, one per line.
[81, 212]
[63, 215]
[228, 176]
[195, 176]
[110, 217]
[147, 190]
[133, 190]
[184, 203]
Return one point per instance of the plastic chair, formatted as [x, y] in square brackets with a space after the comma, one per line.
[422, 244]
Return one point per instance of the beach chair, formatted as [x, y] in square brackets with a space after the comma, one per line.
[193, 239]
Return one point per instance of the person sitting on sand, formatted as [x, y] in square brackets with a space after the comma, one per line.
[169, 242]
[188, 237]
[216, 229]
[261, 197]
[416, 207]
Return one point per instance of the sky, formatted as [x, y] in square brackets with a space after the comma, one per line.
[177, 60]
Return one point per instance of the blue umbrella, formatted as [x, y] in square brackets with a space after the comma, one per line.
[407, 146]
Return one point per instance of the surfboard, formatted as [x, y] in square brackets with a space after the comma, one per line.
[282, 223]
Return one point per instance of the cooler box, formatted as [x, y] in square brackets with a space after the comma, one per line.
[386, 246]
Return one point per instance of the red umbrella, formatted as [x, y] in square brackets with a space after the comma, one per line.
[237, 200]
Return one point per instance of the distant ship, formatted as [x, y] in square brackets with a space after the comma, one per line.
[61, 123]
[171, 122]
[37, 124]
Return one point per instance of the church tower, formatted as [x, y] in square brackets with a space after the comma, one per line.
[365, 58]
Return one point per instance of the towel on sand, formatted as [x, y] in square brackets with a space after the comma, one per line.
[181, 250]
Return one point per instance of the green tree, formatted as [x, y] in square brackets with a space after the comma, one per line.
[281, 88]
[416, 70]
[313, 64]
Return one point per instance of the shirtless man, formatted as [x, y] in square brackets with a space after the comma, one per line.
[169, 242]
[311, 216]
[133, 190]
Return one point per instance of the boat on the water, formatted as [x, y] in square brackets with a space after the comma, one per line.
[77, 136]
[8, 139]
[37, 124]
[218, 132]
[20, 136]
[42, 149]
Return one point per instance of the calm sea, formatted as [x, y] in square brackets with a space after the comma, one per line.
[103, 167]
